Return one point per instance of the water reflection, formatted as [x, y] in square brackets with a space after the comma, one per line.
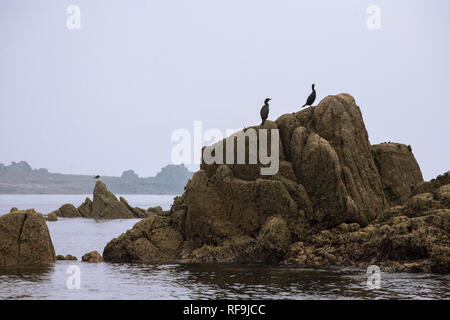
[213, 281]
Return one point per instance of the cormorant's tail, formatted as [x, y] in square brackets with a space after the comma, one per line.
[303, 105]
[262, 123]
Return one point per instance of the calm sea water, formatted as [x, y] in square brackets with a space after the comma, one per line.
[181, 281]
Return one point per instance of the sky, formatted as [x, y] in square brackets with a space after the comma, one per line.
[107, 97]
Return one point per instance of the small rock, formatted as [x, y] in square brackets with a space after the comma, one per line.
[92, 256]
[52, 217]
[67, 257]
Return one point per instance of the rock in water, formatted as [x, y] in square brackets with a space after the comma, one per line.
[67, 257]
[150, 240]
[52, 217]
[93, 257]
[107, 206]
[67, 211]
[25, 239]
[104, 206]
[331, 185]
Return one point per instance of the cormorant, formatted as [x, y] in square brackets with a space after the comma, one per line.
[265, 111]
[96, 177]
[311, 97]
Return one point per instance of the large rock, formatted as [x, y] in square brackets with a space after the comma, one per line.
[328, 192]
[400, 173]
[25, 239]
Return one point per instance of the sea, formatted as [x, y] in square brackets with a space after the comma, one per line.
[80, 280]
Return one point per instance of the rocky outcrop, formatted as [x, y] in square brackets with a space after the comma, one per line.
[330, 181]
[433, 186]
[399, 171]
[92, 257]
[104, 206]
[409, 238]
[25, 239]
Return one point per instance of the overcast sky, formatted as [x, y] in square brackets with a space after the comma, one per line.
[107, 97]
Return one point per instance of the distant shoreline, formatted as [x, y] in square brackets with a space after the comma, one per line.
[20, 178]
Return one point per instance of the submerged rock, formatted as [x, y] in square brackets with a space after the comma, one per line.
[25, 239]
[323, 207]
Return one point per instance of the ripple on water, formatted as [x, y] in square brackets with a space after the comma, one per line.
[176, 281]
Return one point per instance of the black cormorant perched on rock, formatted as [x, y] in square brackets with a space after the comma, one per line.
[96, 177]
[265, 111]
[311, 97]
